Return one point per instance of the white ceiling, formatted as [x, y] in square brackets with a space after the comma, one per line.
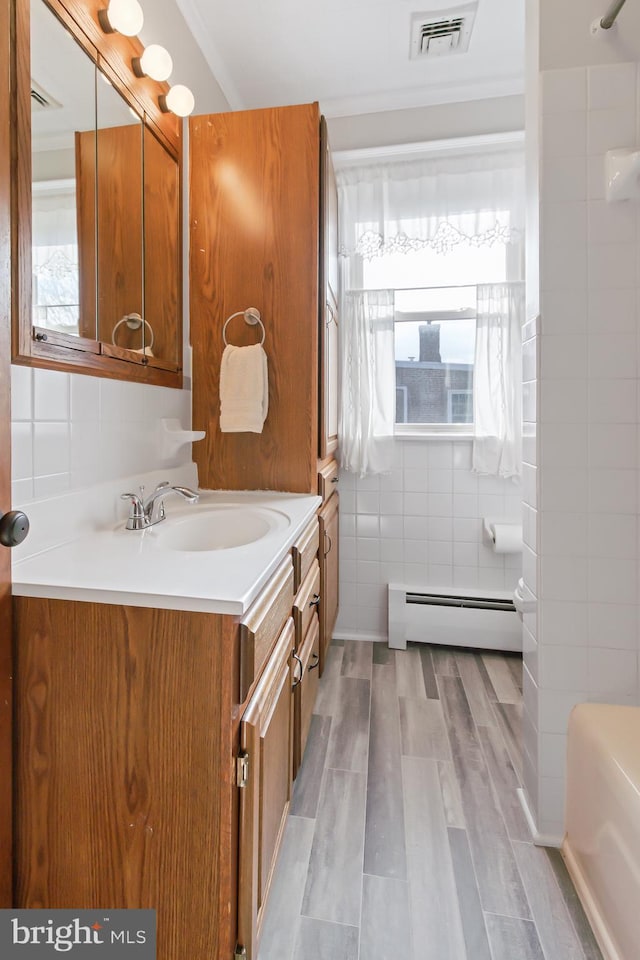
[352, 55]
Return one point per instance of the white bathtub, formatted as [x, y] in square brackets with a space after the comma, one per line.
[602, 842]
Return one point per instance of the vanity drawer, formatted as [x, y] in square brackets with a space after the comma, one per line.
[305, 693]
[304, 551]
[306, 602]
[261, 625]
[328, 479]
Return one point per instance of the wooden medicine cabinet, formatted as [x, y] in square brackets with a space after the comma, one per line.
[97, 201]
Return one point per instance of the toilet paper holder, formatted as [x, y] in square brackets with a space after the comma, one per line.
[513, 541]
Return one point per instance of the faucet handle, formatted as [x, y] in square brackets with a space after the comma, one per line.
[136, 512]
[136, 502]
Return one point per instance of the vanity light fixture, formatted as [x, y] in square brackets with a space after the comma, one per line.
[122, 16]
[155, 62]
[178, 100]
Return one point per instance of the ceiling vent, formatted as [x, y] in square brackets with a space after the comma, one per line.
[41, 100]
[441, 33]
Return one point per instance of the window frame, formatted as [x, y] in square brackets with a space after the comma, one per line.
[442, 430]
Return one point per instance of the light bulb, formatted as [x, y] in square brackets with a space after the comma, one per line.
[156, 62]
[180, 100]
[125, 16]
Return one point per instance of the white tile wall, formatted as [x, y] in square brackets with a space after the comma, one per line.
[70, 430]
[420, 525]
[585, 496]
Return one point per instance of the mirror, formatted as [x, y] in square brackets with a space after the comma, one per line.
[103, 289]
[63, 109]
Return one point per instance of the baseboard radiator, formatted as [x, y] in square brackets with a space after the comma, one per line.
[466, 618]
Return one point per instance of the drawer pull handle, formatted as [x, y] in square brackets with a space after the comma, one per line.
[297, 680]
[315, 601]
[315, 664]
[327, 548]
[335, 479]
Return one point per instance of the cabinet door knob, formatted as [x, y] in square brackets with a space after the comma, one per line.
[14, 526]
[335, 479]
[297, 680]
[315, 601]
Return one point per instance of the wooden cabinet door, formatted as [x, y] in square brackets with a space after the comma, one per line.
[265, 253]
[306, 691]
[266, 741]
[328, 516]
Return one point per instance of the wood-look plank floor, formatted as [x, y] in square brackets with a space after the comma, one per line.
[406, 838]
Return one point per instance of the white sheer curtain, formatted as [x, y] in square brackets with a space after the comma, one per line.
[399, 206]
[497, 384]
[367, 415]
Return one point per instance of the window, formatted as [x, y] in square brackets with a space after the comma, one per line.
[460, 406]
[435, 328]
[55, 275]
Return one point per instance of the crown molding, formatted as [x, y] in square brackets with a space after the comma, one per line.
[424, 96]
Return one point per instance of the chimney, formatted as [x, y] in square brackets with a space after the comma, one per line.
[430, 342]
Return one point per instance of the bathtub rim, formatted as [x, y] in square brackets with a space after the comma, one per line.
[590, 906]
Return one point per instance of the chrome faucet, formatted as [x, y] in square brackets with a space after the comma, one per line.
[145, 513]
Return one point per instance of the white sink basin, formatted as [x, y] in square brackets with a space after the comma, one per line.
[210, 528]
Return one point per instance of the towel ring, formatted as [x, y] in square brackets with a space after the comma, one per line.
[251, 316]
[134, 321]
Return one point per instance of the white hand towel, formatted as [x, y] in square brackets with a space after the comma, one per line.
[244, 389]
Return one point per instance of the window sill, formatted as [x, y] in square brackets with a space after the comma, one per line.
[420, 431]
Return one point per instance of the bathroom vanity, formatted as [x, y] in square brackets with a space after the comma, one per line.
[157, 745]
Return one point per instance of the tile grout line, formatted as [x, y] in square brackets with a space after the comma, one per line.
[366, 789]
[494, 709]
[404, 831]
[496, 794]
[466, 831]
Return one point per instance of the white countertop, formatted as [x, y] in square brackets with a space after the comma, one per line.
[109, 564]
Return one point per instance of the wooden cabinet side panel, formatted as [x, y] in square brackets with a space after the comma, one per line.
[8, 50]
[328, 316]
[254, 202]
[329, 572]
[123, 766]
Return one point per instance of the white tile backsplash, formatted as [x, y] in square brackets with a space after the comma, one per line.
[71, 431]
[22, 450]
[21, 393]
[51, 395]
